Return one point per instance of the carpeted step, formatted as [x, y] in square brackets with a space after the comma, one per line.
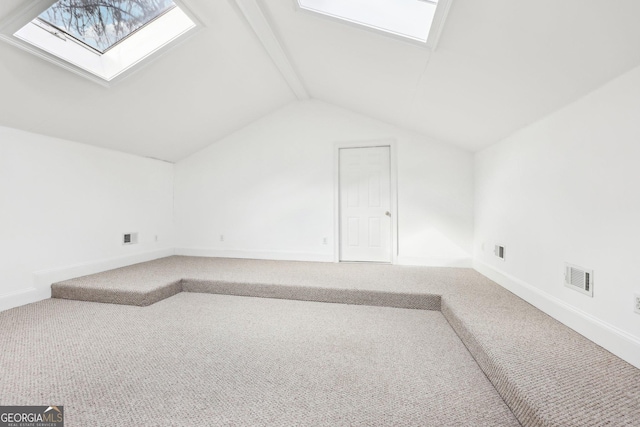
[548, 374]
[305, 293]
[71, 290]
[143, 297]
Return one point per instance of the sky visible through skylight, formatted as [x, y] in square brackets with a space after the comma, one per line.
[101, 24]
[407, 18]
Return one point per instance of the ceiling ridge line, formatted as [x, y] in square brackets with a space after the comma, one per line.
[263, 29]
[418, 85]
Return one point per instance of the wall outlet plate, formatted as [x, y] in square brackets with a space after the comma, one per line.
[636, 300]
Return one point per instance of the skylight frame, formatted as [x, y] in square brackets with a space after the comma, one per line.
[441, 12]
[23, 16]
[49, 27]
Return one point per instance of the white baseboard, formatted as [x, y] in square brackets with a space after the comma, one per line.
[317, 257]
[617, 341]
[44, 278]
[27, 296]
[272, 255]
[435, 262]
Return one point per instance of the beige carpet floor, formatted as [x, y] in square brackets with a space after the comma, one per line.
[216, 360]
[548, 374]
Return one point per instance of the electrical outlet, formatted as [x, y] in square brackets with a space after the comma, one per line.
[636, 306]
[324, 240]
[156, 236]
[222, 237]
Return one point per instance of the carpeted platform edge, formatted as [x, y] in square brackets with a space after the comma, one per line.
[315, 294]
[110, 296]
[516, 400]
[260, 290]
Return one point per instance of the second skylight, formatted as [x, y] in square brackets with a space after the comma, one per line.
[406, 18]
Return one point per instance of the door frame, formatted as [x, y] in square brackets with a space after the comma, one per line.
[393, 175]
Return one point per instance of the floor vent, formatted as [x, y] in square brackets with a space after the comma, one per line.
[579, 279]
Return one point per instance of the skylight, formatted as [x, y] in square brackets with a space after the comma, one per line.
[407, 18]
[104, 37]
[103, 24]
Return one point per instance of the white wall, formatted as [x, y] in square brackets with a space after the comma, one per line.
[269, 189]
[64, 206]
[566, 189]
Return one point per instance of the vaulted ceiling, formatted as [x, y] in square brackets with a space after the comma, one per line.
[499, 65]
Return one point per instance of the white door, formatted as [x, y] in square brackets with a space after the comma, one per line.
[365, 204]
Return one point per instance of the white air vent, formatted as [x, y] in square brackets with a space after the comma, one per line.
[579, 279]
[130, 238]
[499, 251]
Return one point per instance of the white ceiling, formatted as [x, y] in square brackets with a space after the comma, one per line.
[499, 65]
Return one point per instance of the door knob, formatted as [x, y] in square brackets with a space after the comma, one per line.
[387, 213]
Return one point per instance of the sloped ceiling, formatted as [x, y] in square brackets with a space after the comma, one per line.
[214, 83]
[499, 65]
